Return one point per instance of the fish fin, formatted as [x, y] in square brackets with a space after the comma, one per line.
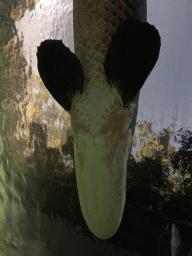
[60, 71]
[132, 54]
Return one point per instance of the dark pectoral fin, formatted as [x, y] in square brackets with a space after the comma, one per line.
[132, 54]
[60, 70]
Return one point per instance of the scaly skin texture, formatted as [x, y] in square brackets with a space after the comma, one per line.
[100, 123]
[94, 23]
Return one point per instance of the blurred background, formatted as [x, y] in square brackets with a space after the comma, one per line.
[39, 208]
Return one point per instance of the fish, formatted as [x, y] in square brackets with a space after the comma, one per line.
[99, 86]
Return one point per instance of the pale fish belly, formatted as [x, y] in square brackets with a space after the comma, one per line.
[101, 168]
